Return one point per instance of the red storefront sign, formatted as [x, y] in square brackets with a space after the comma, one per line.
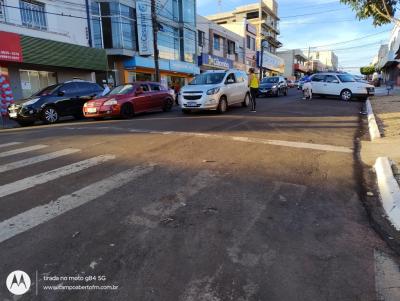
[10, 47]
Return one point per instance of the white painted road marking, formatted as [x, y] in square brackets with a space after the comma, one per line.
[41, 214]
[37, 159]
[9, 144]
[293, 144]
[22, 150]
[51, 175]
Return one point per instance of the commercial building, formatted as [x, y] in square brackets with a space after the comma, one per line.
[218, 47]
[263, 21]
[42, 45]
[124, 28]
[295, 63]
[390, 57]
[327, 58]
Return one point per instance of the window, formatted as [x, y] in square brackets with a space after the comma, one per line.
[33, 14]
[69, 88]
[240, 77]
[188, 8]
[155, 87]
[168, 9]
[2, 10]
[231, 77]
[318, 78]
[113, 25]
[145, 87]
[201, 38]
[169, 43]
[33, 81]
[251, 43]
[330, 78]
[189, 40]
[231, 47]
[217, 45]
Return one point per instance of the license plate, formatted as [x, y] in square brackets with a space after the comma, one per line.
[192, 104]
[13, 114]
[91, 110]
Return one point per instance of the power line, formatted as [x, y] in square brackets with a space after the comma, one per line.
[314, 13]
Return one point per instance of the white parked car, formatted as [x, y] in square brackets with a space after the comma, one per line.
[340, 84]
[215, 90]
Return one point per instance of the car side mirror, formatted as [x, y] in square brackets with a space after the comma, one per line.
[61, 93]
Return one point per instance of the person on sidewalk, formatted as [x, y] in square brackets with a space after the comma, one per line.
[307, 87]
[254, 85]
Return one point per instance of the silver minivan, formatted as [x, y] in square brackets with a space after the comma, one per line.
[215, 90]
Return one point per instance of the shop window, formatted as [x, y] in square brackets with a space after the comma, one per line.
[189, 40]
[33, 14]
[34, 81]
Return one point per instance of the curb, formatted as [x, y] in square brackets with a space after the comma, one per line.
[372, 125]
[389, 190]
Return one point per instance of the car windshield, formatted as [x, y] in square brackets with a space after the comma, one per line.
[270, 80]
[346, 78]
[121, 90]
[47, 91]
[208, 79]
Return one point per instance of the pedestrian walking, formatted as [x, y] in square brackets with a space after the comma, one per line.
[254, 85]
[307, 87]
[6, 99]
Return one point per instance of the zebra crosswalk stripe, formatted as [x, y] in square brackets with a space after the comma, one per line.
[9, 144]
[22, 150]
[41, 214]
[37, 159]
[51, 175]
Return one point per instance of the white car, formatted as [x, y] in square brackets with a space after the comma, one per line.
[340, 84]
[215, 90]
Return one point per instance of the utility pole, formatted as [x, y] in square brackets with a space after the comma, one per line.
[308, 57]
[155, 42]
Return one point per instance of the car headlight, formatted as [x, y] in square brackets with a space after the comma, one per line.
[213, 91]
[110, 102]
[85, 105]
[274, 87]
[30, 102]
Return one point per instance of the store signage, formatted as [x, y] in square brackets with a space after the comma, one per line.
[215, 61]
[250, 28]
[144, 27]
[271, 62]
[11, 49]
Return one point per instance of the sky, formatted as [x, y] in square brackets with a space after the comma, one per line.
[322, 22]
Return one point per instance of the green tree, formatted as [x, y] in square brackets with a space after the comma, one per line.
[381, 11]
[368, 70]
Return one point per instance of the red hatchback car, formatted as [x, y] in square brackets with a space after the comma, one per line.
[127, 100]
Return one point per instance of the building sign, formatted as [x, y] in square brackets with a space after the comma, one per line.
[144, 27]
[271, 62]
[10, 50]
[215, 61]
[250, 28]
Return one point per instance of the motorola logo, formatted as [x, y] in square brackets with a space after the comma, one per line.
[18, 282]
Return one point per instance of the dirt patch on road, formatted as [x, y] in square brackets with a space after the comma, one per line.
[387, 112]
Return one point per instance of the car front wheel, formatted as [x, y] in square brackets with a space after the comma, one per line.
[246, 101]
[346, 95]
[50, 115]
[223, 106]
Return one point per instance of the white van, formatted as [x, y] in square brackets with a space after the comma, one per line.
[215, 90]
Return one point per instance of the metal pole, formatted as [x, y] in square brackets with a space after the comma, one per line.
[155, 44]
[89, 23]
[261, 60]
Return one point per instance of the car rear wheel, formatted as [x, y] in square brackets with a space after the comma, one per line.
[127, 111]
[285, 92]
[50, 115]
[246, 101]
[222, 106]
[168, 104]
[346, 95]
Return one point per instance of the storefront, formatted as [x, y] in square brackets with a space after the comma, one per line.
[173, 73]
[32, 64]
[213, 62]
[271, 64]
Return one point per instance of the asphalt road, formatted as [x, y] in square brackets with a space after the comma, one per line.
[240, 206]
